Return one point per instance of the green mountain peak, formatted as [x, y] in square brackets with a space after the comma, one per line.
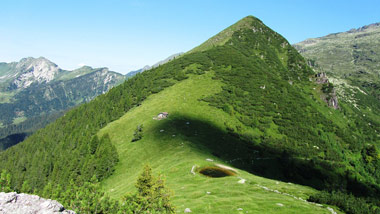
[248, 22]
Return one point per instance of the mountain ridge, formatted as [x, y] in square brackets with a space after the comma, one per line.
[351, 31]
[161, 62]
[31, 70]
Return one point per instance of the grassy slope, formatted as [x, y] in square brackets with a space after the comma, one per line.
[173, 154]
[66, 75]
[6, 97]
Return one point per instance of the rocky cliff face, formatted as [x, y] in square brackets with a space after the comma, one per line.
[30, 70]
[13, 203]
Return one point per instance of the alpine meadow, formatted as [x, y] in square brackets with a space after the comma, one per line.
[243, 123]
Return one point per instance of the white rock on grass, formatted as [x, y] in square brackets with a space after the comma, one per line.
[279, 204]
[239, 209]
[192, 169]
[331, 210]
[242, 181]
[187, 210]
[208, 159]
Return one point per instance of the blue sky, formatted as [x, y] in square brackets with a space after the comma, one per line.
[127, 34]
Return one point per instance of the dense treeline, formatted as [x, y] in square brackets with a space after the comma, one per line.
[347, 202]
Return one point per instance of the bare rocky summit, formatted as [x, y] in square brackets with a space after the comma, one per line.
[14, 203]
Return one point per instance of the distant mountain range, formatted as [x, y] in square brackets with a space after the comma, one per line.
[34, 91]
[147, 67]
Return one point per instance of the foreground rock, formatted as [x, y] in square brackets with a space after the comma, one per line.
[13, 203]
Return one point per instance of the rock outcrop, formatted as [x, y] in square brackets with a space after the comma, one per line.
[328, 89]
[13, 203]
[321, 78]
[332, 100]
[31, 70]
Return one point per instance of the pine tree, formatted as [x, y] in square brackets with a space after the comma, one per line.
[145, 183]
[137, 135]
[93, 145]
[152, 196]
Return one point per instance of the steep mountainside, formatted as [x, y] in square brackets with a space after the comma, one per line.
[352, 61]
[247, 132]
[36, 88]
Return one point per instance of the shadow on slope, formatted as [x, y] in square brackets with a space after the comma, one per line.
[12, 140]
[259, 159]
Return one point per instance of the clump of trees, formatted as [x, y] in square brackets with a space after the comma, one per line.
[138, 133]
[347, 202]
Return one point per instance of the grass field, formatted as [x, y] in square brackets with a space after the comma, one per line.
[173, 146]
[18, 120]
[6, 97]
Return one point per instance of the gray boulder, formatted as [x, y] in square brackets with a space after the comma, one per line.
[13, 203]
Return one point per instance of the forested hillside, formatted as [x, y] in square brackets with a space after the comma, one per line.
[247, 99]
